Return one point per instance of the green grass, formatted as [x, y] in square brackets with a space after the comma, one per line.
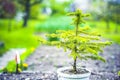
[18, 37]
[54, 23]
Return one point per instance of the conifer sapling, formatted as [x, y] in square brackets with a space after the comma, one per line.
[82, 43]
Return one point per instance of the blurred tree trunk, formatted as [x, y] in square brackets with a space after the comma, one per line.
[27, 13]
[7, 11]
[116, 19]
[108, 17]
[27, 4]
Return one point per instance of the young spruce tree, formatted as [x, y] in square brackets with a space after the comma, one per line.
[82, 43]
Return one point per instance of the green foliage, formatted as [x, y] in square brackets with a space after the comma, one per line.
[58, 7]
[34, 11]
[83, 43]
[2, 50]
[49, 38]
[27, 53]
[118, 73]
[11, 66]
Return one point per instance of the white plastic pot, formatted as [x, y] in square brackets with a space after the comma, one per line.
[64, 76]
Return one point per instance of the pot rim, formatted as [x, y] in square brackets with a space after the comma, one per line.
[84, 75]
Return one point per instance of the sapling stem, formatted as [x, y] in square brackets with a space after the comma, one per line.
[74, 65]
[76, 31]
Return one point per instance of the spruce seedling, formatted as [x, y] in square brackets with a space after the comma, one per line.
[82, 43]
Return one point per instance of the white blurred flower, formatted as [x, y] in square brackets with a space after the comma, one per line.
[17, 57]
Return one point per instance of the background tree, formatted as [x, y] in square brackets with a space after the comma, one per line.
[107, 10]
[114, 6]
[27, 8]
[7, 9]
[57, 6]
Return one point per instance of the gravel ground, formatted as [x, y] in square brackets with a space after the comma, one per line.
[47, 59]
[29, 76]
[53, 76]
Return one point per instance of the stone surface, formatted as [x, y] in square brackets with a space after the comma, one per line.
[49, 58]
[53, 76]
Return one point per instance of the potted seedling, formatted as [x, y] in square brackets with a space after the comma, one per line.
[83, 45]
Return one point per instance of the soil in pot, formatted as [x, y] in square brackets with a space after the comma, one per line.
[79, 71]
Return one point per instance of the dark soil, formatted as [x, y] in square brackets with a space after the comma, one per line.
[79, 71]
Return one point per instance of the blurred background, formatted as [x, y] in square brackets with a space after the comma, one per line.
[23, 21]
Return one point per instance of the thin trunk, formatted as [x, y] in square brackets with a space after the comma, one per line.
[117, 21]
[75, 60]
[27, 13]
[74, 65]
